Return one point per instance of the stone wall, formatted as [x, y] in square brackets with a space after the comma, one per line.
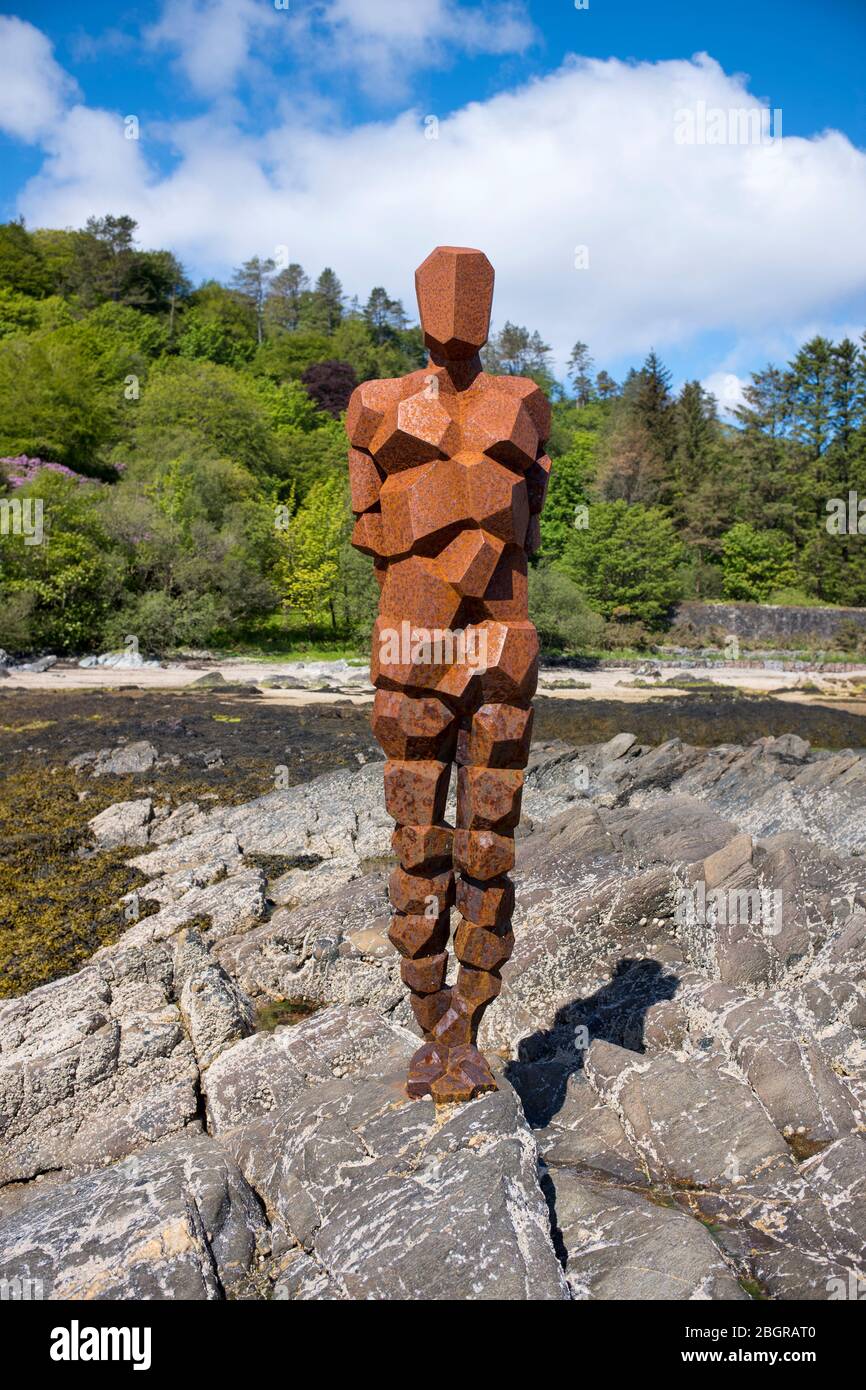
[766, 622]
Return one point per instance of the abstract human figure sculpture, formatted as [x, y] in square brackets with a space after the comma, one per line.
[448, 475]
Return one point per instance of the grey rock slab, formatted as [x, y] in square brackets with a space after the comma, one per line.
[125, 823]
[189, 852]
[178, 1222]
[586, 1134]
[266, 1071]
[125, 759]
[394, 1199]
[782, 1063]
[621, 1246]
[311, 951]
[806, 1231]
[680, 830]
[93, 1067]
[231, 904]
[216, 1013]
[615, 748]
[690, 1124]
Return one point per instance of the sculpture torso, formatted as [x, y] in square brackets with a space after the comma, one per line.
[448, 477]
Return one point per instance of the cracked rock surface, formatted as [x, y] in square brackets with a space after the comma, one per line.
[680, 1045]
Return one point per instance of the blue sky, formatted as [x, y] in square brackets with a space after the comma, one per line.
[565, 146]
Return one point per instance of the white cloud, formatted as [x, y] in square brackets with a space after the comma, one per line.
[90, 167]
[384, 42]
[33, 86]
[747, 241]
[213, 38]
[727, 388]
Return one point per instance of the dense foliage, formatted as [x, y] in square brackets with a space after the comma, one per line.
[186, 451]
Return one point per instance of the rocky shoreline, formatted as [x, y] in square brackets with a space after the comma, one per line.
[681, 1102]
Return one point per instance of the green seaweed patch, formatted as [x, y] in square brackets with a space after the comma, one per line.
[280, 1012]
[59, 900]
[58, 904]
[754, 1289]
[275, 865]
[802, 1147]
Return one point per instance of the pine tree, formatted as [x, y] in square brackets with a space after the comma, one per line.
[384, 315]
[517, 352]
[285, 296]
[329, 297]
[580, 366]
[639, 446]
[251, 281]
[766, 467]
[605, 386]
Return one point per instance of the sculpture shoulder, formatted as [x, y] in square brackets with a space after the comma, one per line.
[532, 397]
[371, 401]
[368, 405]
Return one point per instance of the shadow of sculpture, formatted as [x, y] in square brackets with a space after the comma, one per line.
[615, 1013]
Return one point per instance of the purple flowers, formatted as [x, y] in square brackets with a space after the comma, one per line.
[22, 469]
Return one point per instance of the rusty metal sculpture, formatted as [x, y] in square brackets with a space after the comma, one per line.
[448, 475]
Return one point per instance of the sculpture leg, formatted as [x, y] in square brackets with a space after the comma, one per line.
[419, 735]
[492, 750]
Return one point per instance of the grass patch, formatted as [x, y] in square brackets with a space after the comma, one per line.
[279, 637]
[280, 1012]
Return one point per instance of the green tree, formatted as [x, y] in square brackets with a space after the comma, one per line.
[220, 408]
[285, 297]
[383, 314]
[605, 386]
[580, 366]
[517, 352]
[313, 543]
[251, 281]
[61, 590]
[55, 403]
[19, 313]
[22, 265]
[321, 309]
[569, 494]
[626, 562]
[754, 563]
[639, 445]
[286, 356]
[559, 609]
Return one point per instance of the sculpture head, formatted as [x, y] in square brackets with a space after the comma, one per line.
[455, 293]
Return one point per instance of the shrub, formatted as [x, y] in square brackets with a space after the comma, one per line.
[564, 619]
[755, 563]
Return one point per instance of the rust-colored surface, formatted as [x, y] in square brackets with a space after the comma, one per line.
[448, 475]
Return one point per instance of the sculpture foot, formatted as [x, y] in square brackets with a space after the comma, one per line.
[467, 1075]
[427, 1066]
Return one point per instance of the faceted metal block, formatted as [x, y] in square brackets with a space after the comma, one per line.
[415, 792]
[421, 894]
[410, 728]
[418, 935]
[496, 736]
[423, 846]
[455, 293]
[489, 798]
[484, 948]
[487, 904]
[482, 854]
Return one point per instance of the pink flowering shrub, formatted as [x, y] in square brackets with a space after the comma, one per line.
[18, 471]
